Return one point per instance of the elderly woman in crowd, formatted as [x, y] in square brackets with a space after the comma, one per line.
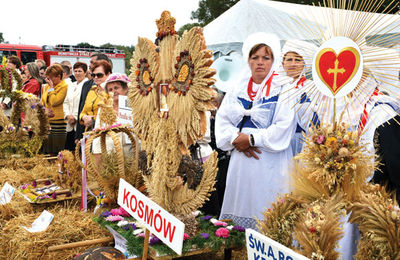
[116, 85]
[34, 82]
[256, 123]
[101, 70]
[71, 103]
[54, 93]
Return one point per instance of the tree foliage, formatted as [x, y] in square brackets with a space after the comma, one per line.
[128, 51]
[85, 45]
[187, 27]
[210, 9]
[1, 37]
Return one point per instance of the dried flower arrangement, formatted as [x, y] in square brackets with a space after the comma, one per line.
[70, 172]
[328, 180]
[23, 139]
[280, 220]
[52, 185]
[335, 161]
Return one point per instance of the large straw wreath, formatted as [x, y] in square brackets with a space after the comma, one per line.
[21, 135]
[104, 175]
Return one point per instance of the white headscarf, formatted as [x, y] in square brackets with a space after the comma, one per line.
[268, 39]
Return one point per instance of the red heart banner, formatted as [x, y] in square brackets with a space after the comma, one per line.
[336, 70]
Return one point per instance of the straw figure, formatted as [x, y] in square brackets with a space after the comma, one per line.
[169, 95]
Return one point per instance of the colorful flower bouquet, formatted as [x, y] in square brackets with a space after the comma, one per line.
[334, 161]
[212, 234]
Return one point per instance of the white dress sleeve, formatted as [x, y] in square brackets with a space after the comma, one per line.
[225, 130]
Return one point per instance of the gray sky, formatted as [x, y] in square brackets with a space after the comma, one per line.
[48, 22]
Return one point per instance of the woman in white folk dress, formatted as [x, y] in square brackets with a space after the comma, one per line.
[256, 123]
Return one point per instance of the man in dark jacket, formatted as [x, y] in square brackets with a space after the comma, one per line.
[85, 90]
[387, 146]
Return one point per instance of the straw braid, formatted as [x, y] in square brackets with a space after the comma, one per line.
[78, 155]
[119, 152]
[91, 167]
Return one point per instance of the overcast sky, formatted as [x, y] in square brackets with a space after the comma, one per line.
[51, 22]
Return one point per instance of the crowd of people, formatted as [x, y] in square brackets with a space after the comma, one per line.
[70, 95]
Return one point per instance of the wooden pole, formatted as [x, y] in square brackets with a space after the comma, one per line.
[81, 243]
[51, 158]
[146, 244]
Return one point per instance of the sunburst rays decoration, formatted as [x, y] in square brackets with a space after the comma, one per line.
[373, 33]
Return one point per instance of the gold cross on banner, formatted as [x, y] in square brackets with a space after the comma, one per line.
[335, 71]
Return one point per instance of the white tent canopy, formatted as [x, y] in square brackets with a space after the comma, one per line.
[250, 16]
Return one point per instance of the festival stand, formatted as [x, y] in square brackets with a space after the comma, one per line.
[169, 95]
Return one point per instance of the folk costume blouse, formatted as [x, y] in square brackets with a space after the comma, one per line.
[252, 185]
[304, 109]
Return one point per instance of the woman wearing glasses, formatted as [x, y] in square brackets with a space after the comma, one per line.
[53, 96]
[101, 70]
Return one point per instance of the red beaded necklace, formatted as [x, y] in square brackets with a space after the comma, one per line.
[252, 94]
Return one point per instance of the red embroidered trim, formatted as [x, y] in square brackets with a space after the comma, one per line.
[301, 81]
[364, 116]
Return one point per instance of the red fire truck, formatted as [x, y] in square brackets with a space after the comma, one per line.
[58, 53]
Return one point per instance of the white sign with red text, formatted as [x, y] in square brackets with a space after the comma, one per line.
[157, 220]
